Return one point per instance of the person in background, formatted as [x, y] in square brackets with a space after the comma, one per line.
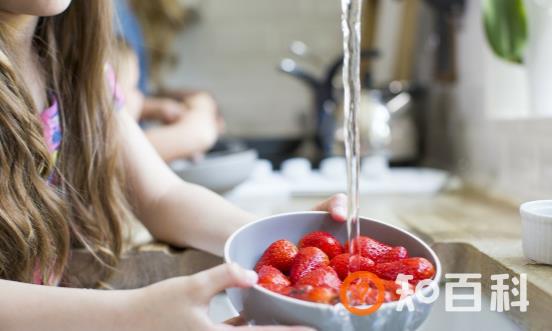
[74, 168]
[188, 135]
[188, 122]
[127, 76]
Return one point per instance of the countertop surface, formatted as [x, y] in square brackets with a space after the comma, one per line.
[470, 232]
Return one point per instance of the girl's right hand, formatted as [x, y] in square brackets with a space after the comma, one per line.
[202, 116]
[181, 303]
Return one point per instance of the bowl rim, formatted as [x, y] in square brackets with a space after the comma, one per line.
[250, 155]
[435, 281]
[529, 208]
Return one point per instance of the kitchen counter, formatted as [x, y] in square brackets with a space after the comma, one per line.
[473, 233]
[470, 232]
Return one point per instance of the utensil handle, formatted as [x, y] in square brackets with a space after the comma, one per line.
[445, 57]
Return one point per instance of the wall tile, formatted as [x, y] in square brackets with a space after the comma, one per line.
[510, 157]
[234, 52]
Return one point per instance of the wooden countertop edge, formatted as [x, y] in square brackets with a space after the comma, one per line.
[473, 253]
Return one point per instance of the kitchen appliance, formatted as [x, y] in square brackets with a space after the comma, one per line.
[391, 123]
[447, 14]
[325, 97]
[275, 150]
[402, 101]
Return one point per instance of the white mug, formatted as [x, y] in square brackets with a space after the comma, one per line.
[537, 230]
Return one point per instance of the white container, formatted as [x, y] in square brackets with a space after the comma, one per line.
[334, 168]
[537, 230]
[375, 166]
[296, 168]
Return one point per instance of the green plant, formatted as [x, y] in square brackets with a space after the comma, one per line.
[505, 24]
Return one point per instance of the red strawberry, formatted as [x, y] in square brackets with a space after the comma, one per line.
[343, 264]
[369, 247]
[280, 255]
[297, 292]
[323, 295]
[314, 294]
[274, 288]
[397, 253]
[321, 277]
[392, 287]
[308, 259]
[362, 294]
[323, 240]
[287, 291]
[273, 276]
[366, 292]
[418, 267]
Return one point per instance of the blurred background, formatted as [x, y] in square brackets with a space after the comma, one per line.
[455, 120]
[436, 94]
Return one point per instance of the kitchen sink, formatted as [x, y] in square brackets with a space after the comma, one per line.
[221, 310]
[439, 319]
[153, 263]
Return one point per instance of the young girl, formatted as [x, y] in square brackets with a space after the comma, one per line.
[73, 168]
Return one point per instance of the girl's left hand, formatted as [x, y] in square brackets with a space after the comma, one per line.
[336, 206]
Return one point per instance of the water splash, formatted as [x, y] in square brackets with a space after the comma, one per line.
[350, 23]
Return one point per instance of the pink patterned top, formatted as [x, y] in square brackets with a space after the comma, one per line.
[51, 125]
[52, 128]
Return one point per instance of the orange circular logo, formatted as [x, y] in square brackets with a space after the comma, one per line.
[361, 288]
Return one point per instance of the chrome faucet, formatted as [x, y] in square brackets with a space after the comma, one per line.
[325, 101]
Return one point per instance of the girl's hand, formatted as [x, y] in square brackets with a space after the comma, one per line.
[165, 110]
[181, 303]
[169, 111]
[202, 116]
[336, 206]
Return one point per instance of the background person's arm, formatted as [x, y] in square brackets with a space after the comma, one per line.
[191, 132]
[162, 109]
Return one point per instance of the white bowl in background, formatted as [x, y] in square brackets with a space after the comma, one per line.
[219, 171]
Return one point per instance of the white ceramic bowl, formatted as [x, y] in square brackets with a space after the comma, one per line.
[261, 306]
[220, 171]
[537, 230]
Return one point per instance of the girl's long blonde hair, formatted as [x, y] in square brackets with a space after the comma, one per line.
[39, 222]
